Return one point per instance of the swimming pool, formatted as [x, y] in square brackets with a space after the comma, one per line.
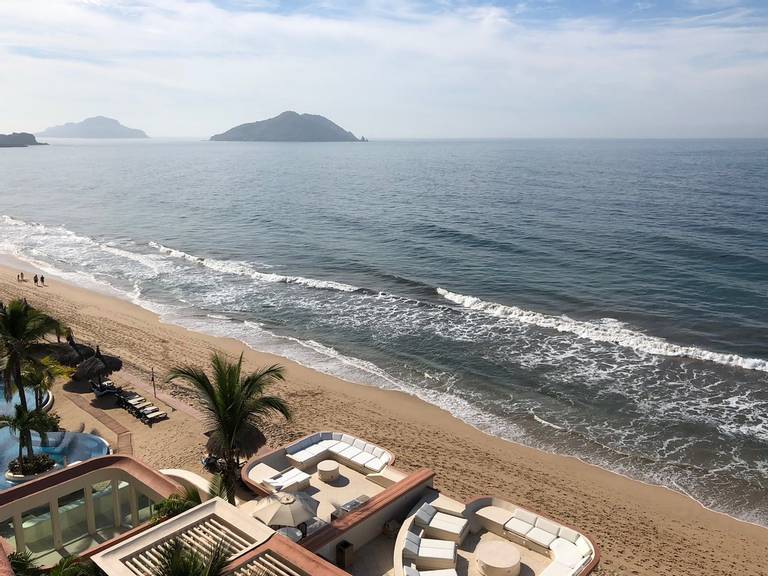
[64, 447]
[7, 408]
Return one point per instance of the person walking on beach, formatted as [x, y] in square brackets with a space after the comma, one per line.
[18, 278]
[21, 276]
[35, 279]
[42, 280]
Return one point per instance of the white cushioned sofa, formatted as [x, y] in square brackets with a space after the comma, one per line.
[570, 551]
[347, 449]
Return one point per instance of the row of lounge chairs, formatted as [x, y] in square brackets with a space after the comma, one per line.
[135, 403]
[140, 407]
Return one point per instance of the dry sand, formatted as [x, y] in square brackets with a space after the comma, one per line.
[641, 529]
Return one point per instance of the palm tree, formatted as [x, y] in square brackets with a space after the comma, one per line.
[21, 326]
[236, 406]
[23, 564]
[188, 498]
[23, 423]
[177, 503]
[177, 560]
[41, 374]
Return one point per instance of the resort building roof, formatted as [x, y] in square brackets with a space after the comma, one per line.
[328, 498]
[200, 529]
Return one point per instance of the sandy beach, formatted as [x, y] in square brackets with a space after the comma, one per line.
[641, 529]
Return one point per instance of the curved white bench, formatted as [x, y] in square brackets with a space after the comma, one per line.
[569, 550]
[350, 450]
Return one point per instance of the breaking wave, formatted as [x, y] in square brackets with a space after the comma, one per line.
[603, 330]
[245, 269]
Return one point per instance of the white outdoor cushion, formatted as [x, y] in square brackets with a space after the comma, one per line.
[412, 537]
[548, 526]
[339, 447]
[326, 444]
[410, 571]
[302, 455]
[386, 457]
[359, 444]
[375, 464]
[565, 552]
[315, 449]
[410, 549]
[568, 533]
[378, 451]
[495, 514]
[349, 452]
[438, 544]
[424, 515]
[362, 458]
[336, 436]
[556, 569]
[526, 516]
[540, 536]
[518, 526]
[348, 439]
[448, 523]
[583, 546]
[438, 553]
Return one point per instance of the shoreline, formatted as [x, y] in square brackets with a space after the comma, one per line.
[604, 503]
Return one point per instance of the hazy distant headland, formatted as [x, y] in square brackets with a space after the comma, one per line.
[289, 127]
[96, 127]
[19, 140]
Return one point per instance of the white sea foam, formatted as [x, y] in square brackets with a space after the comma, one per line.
[604, 330]
[244, 269]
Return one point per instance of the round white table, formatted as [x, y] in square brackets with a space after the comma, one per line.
[498, 558]
[328, 470]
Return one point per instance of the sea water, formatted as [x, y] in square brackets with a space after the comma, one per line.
[606, 299]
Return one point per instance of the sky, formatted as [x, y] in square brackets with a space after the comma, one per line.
[391, 68]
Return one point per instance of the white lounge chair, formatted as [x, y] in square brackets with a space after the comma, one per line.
[289, 480]
[441, 525]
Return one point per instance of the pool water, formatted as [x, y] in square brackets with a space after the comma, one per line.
[63, 447]
[8, 408]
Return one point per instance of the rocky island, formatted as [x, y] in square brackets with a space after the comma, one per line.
[19, 140]
[96, 127]
[289, 127]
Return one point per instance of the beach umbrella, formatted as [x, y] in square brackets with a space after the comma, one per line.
[283, 509]
[64, 353]
[97, 367]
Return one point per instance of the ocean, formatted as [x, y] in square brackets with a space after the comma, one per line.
[606, 299]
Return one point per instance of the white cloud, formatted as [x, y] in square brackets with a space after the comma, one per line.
[393, 70]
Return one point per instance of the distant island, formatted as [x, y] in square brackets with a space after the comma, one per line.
[96, 127]
[289, 127]
[19, 140]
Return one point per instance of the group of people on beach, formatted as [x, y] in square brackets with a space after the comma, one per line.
[38, 280]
